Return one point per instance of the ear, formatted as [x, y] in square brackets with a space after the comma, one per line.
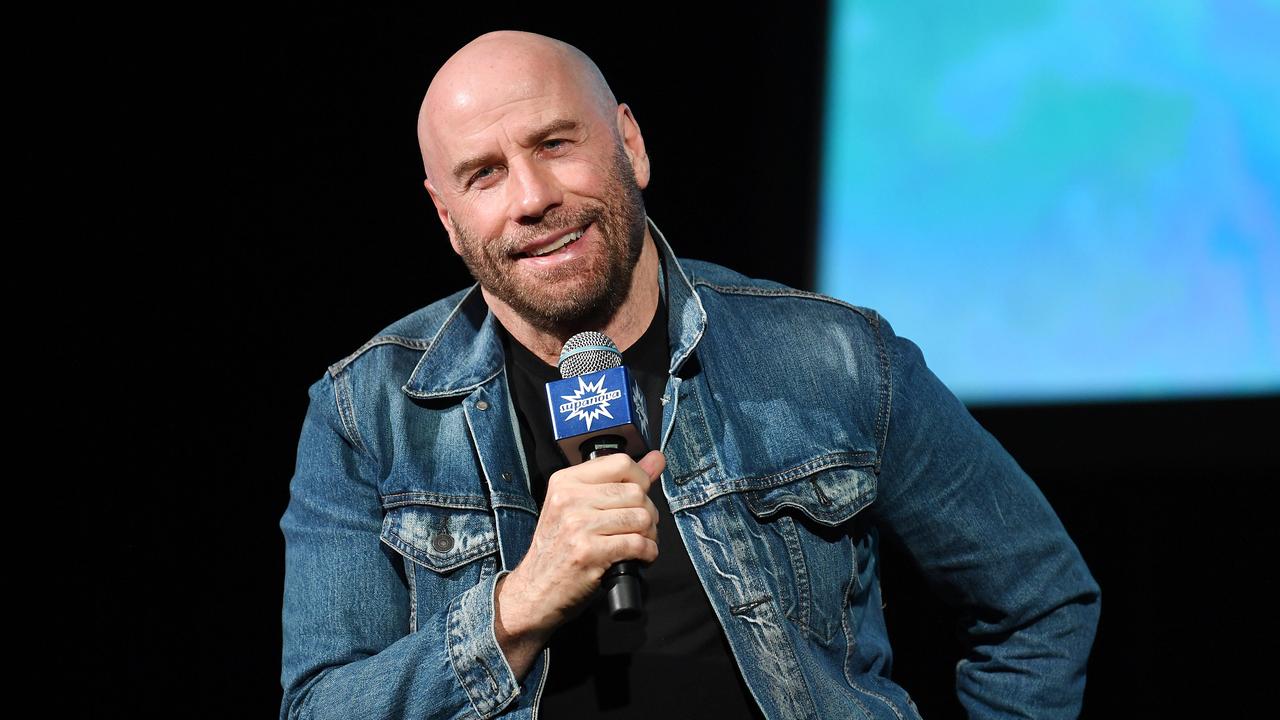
[442, 212]
[633, 144]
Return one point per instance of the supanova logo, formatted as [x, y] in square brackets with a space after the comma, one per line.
[589, 401]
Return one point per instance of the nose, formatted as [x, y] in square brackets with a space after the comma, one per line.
[533, 190]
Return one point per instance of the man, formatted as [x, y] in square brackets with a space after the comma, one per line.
[439, 554]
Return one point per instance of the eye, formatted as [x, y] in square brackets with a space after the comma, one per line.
[482, 176]
[554, 144]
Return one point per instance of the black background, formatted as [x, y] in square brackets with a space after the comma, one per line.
[249, 188]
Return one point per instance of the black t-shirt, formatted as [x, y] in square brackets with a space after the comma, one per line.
[674, 661]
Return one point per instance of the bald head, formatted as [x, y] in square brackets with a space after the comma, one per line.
[505, 67]
[536, 173]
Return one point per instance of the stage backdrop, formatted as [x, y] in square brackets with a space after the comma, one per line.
[1063, 199]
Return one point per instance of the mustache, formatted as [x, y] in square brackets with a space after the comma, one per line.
[556, 219]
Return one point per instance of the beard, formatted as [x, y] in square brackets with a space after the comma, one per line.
[565, 300]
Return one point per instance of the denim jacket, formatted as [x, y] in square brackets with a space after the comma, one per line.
[797, 429]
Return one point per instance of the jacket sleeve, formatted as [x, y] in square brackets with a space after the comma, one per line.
[347, 650]
[987, 540]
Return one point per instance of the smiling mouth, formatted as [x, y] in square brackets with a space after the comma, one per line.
[564, 241]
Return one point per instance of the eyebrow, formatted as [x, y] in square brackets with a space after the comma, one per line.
[475, 162]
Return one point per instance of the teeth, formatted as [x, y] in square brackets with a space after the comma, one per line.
[557, 244]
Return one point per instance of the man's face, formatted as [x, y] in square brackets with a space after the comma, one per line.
[565, 288]
[541, 197]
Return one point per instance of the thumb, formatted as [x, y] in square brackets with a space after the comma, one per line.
[653, 464]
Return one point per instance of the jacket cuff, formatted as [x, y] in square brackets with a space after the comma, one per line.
[477, 659]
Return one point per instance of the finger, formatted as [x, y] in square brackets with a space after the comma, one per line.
[652, 510]
[608, 496]
[651, 532]
[622, 521]
[607, 468]
[653, 463]
[631, 472]
[632, 547]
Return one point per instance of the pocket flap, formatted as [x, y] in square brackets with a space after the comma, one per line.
[830, 496]
[440, 538]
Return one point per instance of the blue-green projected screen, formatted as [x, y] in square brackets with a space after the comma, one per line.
[1064, 199]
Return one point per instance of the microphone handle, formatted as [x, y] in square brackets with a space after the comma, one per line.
[621, 582]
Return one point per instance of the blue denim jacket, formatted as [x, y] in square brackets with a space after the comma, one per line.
[796, 428]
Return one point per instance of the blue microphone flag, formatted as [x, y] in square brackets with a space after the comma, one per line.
[608, 402]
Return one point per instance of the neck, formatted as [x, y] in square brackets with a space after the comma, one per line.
[624, 328]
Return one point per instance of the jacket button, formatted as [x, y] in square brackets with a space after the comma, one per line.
[482, 405]
[442, 542]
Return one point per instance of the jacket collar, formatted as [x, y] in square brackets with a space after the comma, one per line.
[466, 351]
[686, 318]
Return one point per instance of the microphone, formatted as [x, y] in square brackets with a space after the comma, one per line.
[598, 409]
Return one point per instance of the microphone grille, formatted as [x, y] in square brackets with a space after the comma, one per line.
[588, 352]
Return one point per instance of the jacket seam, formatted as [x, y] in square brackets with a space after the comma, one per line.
[882, 698]
[453, 314]
[692, 284]
[410, 551]
[782, 477]
[456, 651]
[784, 292]
[850, 643]
[299, 707]
[885, 400]
[402, 341]
[434, 500]
[412, 581]
[488, 488]
[803, 585]
[452, 392]
[346, 411]
[515, 432]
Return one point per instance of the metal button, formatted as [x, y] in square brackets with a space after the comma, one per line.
[442, 542]
[506, 475]
[482, 405]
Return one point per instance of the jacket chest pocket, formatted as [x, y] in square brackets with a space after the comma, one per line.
[446, 551]
[823, 549]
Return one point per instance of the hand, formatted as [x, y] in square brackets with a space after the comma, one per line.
[594, 515]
